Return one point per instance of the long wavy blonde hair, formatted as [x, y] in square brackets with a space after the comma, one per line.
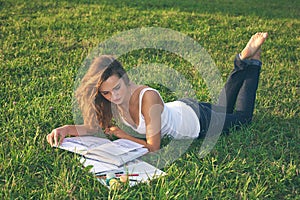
[96, 110]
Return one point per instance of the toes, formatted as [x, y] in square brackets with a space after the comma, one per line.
[265, 35]
[261, 34]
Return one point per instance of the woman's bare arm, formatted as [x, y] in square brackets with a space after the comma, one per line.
[152, 107]
[57, 135]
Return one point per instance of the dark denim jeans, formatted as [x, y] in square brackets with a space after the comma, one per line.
[237, 99]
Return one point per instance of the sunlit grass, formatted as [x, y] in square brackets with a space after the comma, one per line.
[43, 44]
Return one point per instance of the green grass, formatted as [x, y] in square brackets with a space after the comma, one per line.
[43, 44]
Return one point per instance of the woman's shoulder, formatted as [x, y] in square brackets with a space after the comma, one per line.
[148, 91]
[150, 96]
[142, 89]
[145, 93]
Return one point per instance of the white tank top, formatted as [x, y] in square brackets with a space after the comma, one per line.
[177, 119]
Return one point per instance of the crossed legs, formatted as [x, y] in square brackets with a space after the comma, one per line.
[237, 99]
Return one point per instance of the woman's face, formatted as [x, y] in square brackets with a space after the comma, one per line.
[114, 90]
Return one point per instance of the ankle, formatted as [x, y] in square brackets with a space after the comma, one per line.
[242, 57]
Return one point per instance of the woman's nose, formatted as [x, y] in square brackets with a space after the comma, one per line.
[114, 95]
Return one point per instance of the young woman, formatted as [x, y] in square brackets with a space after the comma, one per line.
[106, 93]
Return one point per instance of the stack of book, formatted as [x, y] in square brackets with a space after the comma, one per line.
[118, 156]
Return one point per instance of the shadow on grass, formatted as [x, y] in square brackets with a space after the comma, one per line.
[267, 137]
[268, 9]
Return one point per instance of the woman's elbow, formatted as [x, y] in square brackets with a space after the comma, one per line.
[153, 148]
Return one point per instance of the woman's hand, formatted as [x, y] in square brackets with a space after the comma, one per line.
[57, 135]
[152, 143]
[116, 131]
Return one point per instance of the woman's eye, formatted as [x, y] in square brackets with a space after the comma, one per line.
[104, 93]
[118, 87]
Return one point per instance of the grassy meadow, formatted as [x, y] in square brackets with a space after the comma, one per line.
[44, 43]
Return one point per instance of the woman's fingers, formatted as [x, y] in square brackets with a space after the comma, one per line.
[107, 131]
[56, 136]
[116, 131]
[49, 139]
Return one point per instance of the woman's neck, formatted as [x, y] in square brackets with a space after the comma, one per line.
[131, 89]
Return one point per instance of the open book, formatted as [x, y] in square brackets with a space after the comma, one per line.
[117, 156]
[116, 152]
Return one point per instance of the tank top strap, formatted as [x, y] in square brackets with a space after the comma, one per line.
[142, 92]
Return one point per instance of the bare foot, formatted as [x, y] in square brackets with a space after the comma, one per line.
[252, 49]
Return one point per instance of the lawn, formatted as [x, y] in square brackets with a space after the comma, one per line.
[44, 43]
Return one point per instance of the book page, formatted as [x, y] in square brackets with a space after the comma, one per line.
[113, 159]
[128, 144]
[89, 141]
[82, 144]
[143, 169]
[75, 147]
[102, 149]
[117, 147]
[111, 148]
[97, 165]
